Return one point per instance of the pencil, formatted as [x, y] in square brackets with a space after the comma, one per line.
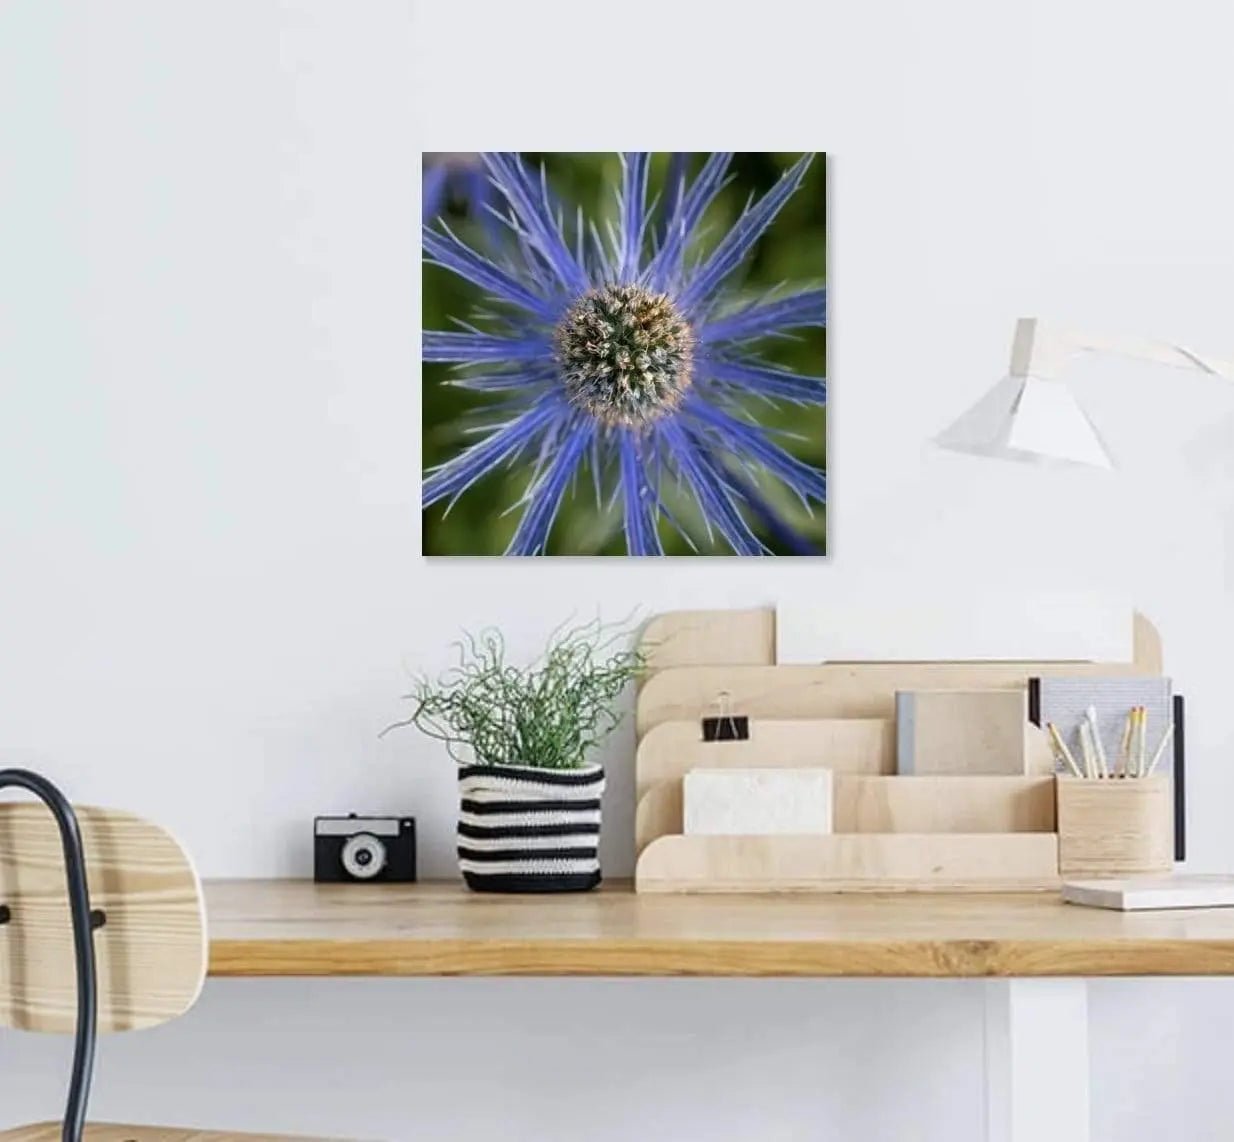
[1061, 750]
[1134, 748]
[1124, 750]
[1165, 737]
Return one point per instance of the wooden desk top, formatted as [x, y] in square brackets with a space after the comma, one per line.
[297, 928]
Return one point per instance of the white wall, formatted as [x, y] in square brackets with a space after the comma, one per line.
[209, 580]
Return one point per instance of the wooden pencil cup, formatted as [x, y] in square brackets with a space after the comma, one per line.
[1115, 826]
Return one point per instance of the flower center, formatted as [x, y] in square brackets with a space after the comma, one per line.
[625, 354]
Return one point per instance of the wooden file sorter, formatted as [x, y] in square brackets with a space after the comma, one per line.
[890, 833]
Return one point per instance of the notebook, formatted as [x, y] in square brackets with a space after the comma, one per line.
[1146, 893]
[960, 732]
[1064, 700]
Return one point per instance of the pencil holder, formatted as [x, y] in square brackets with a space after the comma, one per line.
[1115, 826]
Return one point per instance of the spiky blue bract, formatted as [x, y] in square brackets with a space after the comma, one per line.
[457, 179]
[618, 355]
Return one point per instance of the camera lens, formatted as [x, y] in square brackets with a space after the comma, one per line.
[364, 856]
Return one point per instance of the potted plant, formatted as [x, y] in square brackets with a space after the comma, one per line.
[529, 818]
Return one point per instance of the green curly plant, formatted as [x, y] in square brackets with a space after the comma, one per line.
[549, 714]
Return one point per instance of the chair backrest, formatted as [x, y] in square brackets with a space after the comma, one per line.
[150, 949]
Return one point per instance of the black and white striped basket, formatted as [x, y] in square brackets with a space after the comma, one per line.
[524, 829]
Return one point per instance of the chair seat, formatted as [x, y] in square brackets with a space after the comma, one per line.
[104, 1132]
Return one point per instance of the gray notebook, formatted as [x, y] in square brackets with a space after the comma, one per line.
[1064, 700]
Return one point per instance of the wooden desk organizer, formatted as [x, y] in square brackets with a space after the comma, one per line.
[891, 833]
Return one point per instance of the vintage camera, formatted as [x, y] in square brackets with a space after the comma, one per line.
[365, 848]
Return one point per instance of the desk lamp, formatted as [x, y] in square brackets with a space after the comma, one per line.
[1032, 416]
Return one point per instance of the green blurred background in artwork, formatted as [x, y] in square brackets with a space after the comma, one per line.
[791, 255]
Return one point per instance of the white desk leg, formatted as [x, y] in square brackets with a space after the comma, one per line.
[1036, 1060]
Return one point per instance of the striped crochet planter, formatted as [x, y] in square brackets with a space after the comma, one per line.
[523, 829]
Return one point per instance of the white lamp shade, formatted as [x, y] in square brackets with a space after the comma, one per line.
[1028, 419]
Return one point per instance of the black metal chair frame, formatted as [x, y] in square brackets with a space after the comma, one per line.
[84, 923]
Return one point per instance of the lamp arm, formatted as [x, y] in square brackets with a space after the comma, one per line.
[1041, 350]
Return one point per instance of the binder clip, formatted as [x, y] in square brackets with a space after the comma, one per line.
[726, 726]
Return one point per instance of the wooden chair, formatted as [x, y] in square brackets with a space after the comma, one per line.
[137, 956]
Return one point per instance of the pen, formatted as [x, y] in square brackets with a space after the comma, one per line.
[1094, 733]
[1086, 748]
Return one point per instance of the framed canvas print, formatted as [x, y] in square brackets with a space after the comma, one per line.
[624, 354]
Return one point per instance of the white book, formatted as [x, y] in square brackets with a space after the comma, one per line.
[756, 802]
[1146, 893]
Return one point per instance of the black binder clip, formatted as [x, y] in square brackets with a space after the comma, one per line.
[726, 726]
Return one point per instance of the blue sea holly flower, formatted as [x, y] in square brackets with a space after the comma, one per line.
[623, 355]
[458, 178]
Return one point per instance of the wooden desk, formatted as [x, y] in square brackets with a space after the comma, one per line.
[1036, 1029]
[297, 928]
